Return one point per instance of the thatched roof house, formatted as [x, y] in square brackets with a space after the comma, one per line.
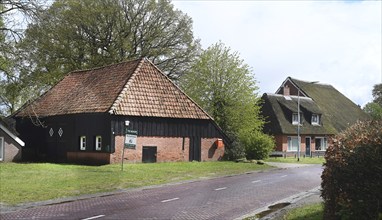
[324, 111]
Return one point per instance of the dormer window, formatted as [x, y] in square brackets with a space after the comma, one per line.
[295, 119]
[315, 119]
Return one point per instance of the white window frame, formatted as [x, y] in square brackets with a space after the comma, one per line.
[295, 119]
[291, 141]
[2, 148]
[317, 121]
[98, 142]
[82, 142]
[324, 143]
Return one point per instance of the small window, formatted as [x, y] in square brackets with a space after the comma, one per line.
[292, 143]
[83, 143]
[321, 143]
[315, 119]
[295, 119]
[1, 148]
[98, 143]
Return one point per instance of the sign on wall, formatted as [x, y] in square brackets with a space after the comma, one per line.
[130, 139]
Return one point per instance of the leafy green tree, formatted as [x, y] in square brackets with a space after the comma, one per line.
[12, 89]
[374, 109]
[222, 84]
[74, 34]
[377, 94]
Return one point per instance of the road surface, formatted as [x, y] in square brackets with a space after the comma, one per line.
[220, 198]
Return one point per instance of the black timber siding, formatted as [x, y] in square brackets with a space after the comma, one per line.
[167, 127]
[40, 145]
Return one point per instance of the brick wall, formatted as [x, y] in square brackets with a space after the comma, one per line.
[12, 150]
[168, 149]
[210, 152]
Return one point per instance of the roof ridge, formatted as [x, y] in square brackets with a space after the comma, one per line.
[121, 94]
[177, 87]
[102, 67]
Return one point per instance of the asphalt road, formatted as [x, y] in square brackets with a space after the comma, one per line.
[221, 198]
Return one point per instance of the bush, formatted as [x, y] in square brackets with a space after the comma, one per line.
[258, 146]
[234, 151]
[352, 177]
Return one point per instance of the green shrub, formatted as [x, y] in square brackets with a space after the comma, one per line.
[234, 151]
[352, 177]
[258, 146]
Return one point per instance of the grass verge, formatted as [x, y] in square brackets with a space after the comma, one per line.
[308, 212]
[31, 182]
[306, 160]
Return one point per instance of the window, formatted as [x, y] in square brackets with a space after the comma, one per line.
[292, 143]
[295, 119]
[1, 148]
[98, 143]
[321, 143]
[315, 119]
[83, 143]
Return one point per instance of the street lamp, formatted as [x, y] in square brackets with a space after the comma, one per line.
[298, 121]
[298, 124]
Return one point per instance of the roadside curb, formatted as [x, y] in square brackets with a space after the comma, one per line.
[294, 200]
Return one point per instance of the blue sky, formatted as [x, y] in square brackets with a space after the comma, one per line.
[334, 42]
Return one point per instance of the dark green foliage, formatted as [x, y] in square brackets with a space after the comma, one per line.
[352, 178]
[234, 151]
[82, 34]
[377, 94]
[258, 146]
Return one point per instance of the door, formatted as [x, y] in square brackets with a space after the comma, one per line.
[149, 154]
[307, 146]
[195, 149]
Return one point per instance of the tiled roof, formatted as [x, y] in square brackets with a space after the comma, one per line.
[134, 88]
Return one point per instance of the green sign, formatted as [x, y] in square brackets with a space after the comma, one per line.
[131, 139]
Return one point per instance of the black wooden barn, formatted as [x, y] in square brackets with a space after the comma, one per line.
[84, 119]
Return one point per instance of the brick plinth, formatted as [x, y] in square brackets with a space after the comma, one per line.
[168, 149]
[88, 157]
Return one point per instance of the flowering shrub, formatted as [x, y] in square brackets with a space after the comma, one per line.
[352, 177]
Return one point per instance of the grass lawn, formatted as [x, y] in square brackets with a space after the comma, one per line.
[306, 160]
[20, 183]
[309, 212]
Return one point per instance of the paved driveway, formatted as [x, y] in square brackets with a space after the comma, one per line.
[221, 198]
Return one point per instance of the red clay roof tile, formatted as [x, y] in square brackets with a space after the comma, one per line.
[135, 88]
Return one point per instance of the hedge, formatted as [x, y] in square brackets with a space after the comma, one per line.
[352, 176]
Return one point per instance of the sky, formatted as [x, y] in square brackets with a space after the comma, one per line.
[333, 42]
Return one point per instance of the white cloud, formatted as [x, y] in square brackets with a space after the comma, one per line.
[332, 42]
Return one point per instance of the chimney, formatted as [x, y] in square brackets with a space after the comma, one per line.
[286, 91]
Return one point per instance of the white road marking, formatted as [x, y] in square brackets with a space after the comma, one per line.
[256, 181]
[220, 188]
[284, 176]
[169, 200]
[94, 217]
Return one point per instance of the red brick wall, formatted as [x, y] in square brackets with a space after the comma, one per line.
[168, 149]
[12, 150]
[88, 157]
[210, 152]
[282, 142]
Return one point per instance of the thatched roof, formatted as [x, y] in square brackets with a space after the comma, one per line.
[337, 111]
